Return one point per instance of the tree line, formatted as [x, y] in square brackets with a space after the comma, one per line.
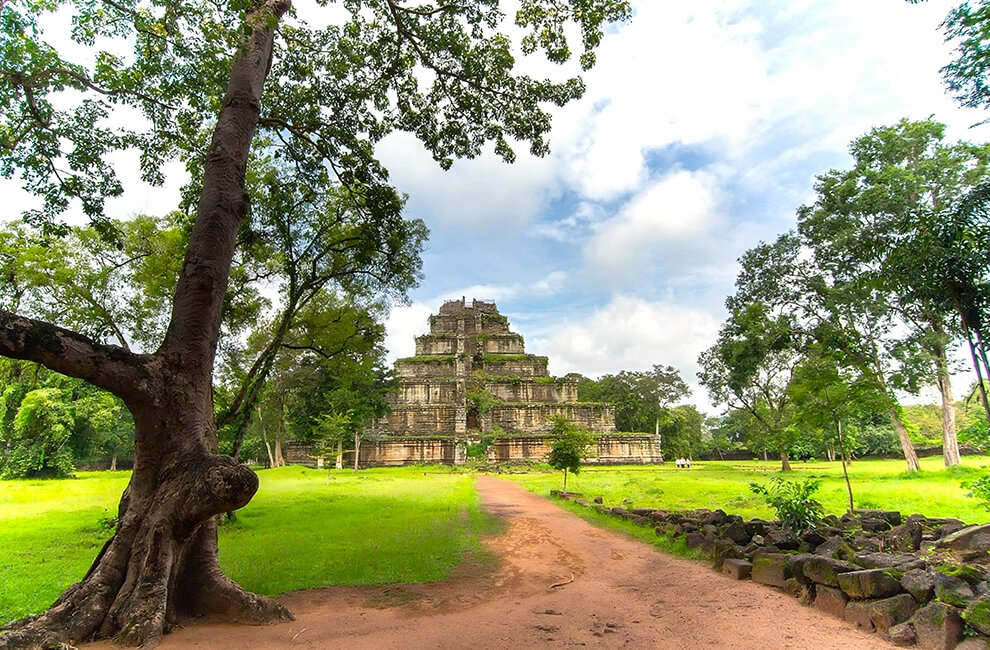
[885, 274]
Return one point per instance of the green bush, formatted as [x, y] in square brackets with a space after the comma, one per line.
[792, 501]
[36, 443]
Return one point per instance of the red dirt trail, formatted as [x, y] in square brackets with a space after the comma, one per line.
[619, 593]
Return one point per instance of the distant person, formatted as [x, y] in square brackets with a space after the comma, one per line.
[687, 463]
[680, 462]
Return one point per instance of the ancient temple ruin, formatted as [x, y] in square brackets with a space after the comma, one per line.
[472, 380]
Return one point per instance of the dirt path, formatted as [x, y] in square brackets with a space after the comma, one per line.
[618, 593]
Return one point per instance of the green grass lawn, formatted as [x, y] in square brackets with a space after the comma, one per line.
[374, 527]
[935, 491]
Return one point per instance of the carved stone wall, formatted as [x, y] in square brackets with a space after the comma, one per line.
[471, 375]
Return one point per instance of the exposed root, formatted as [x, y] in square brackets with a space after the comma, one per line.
[561, 584]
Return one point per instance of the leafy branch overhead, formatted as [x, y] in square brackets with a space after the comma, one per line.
[444, 72]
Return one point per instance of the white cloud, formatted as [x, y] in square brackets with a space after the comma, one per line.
[481, 194]
[629, 333]
[671, 221]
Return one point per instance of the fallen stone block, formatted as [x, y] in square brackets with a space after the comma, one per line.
[858, 614]
[970, 538]
[772, 569]
[953, 590]
[977, 615]
[937, 626]
[888, 612]
[737, 569]
[830, 600]
[871, 583]
[902, 635]
[920, 584]
[821, 569]
[874, 560]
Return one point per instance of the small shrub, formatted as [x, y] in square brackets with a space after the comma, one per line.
[792, 501]
[980, 490]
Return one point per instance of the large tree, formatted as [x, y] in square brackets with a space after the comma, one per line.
[877, 224]
[212, 83]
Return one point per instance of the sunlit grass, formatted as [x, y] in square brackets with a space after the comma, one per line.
[372, 527]
[935, 491]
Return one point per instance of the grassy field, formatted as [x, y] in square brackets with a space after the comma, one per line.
[373, 527]
[935, 491]
[413, 524]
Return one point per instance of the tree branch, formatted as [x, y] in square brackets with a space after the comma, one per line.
[109, 367]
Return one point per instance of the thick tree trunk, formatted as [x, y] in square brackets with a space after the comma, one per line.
[909, 454]
[785, 462]
[161, 562]
[950, 443]
[113, 463]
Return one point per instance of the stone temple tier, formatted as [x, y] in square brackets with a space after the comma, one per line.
[471, 375]
[472, 380]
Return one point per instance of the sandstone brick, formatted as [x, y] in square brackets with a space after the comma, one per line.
[871, 583]
[831, 601]
[772, 569]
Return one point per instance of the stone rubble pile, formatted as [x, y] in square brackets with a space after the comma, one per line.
[917, 581]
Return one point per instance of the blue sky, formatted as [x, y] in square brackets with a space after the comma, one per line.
[701, 133]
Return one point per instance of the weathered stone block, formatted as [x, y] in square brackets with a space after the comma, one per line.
[831, 601]
[977, 614]
[694, 539]
[953, 590]
[821, 569]
[902, 635]
[970, 538]
[772, 569]
[871, 583]
[888, 612]
[905, 538]
[737, 569]
[875, 525]
[737, 533]
[783, 539]
[873, 560]
[920, 584]
[857, 613]
[938, 626]
[835, 547]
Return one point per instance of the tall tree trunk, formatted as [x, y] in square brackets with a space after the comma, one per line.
[357, 450]
[950, 443]
[909, 454]
[340, 454]
[113, 463]
[161, 562]
[785, 462]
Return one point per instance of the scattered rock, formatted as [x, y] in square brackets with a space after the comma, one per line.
[888, 612]
[821, 569]
[873, 560]
[871, 583]
[937, 626]
[858, 612]
[772, 569]
[905, 538]
[920, 584]
[977, 614]
[835, 547]
[830, 600]
[738, 569]
[902, 635]
[970, 538]
[953, 590]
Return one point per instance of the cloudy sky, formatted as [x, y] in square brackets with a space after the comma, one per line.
[701, 132]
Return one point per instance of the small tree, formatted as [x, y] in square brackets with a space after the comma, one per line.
[794, 502]
[568, 448]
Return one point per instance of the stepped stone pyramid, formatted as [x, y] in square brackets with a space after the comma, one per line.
[471, 375]
[472, 380]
